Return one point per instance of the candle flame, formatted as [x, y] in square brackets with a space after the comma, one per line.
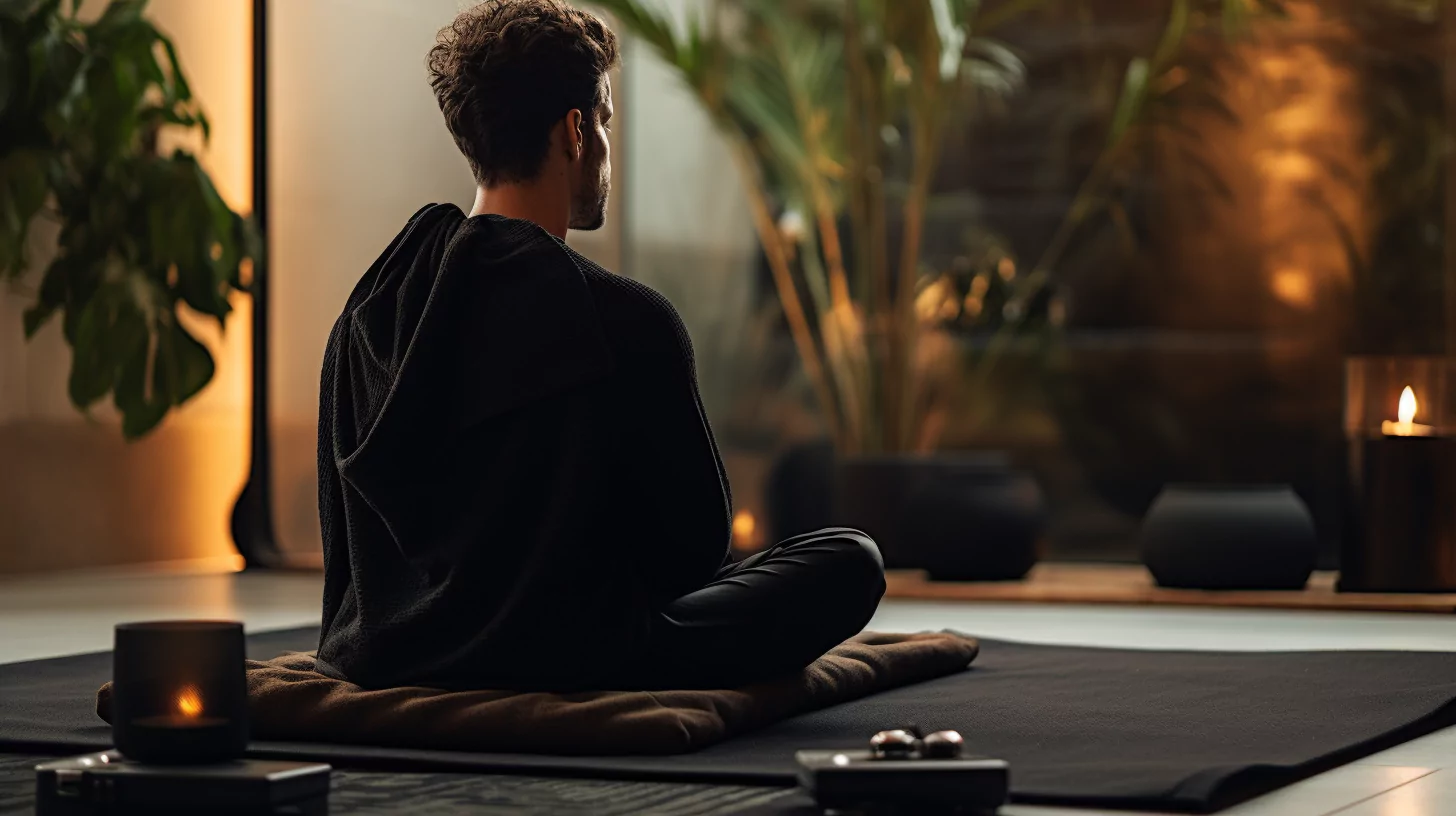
[189, 702]
[1406, 411]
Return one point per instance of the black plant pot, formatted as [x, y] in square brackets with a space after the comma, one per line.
[964, 517]
[1229, 537]
[976, 521]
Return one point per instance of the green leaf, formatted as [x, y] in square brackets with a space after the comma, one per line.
[1235, 17]
[24, 175]
[140, 417]
[181, 91]
[23, 191]
[650, 25]
[50, 298]
[1173, 34]
[92, 374]
[1130, 101]
[119, 14]
[140, 409]
[202, 288]
[184, 365]
[179, 367]
[14, 9]
[34, 317]
[35, 13]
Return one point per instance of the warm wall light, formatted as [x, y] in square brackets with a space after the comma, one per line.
[744, 525]
[1293, 286]
[746, 535]
[214, 42]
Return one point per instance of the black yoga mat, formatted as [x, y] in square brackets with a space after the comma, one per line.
[1155, 730]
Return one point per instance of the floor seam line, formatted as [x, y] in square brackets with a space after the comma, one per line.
[1358, 802]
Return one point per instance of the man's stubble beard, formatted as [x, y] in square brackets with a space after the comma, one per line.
[589, 212]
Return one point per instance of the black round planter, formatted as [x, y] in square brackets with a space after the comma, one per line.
[977, 520]
[1229, 537]
[959, 516]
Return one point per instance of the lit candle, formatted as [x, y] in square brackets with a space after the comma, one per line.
[179, 692]
[1405, 414]
[188, 713]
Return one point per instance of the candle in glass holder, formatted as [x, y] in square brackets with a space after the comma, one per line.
[1400, 534]
[179, 693]
[1405, 425]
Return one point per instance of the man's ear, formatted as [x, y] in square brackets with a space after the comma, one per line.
[575, 139]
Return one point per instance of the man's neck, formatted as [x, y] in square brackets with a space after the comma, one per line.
[524, 201]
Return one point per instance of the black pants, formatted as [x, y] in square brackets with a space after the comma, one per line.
[770, 614]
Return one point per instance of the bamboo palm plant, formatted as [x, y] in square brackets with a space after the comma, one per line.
[834, 112]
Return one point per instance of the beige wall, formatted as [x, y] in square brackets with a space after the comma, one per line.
[356, 146]
[72, 494]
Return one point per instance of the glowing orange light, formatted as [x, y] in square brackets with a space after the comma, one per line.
[744, 526]
[189, 702]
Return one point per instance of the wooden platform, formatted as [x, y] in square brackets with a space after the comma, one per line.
[1131, 584]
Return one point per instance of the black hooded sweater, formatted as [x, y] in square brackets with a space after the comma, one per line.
[515, 470]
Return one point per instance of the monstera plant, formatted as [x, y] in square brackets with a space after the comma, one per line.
[102, 229]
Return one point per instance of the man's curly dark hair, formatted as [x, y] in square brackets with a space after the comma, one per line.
[507, 70]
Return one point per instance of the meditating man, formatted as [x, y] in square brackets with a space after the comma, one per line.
[517, 483]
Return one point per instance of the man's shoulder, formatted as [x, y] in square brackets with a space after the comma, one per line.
[632, 312]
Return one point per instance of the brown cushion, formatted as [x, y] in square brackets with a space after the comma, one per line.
[289, 701]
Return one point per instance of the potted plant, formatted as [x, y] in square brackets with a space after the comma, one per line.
[125, 235]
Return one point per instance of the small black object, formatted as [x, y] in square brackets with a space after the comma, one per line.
[894, 744]
[179, 692]
[942, 745]
[1229, 537]
[108, 783]
[846, 780]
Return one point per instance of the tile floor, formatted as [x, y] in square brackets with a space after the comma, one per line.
[46, 616]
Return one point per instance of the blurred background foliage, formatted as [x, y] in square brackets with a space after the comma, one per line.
[122, 234]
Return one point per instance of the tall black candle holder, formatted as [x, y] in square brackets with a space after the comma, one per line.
[1400, 519]
[179, 692]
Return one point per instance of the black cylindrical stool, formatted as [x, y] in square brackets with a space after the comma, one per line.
[179, 692]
